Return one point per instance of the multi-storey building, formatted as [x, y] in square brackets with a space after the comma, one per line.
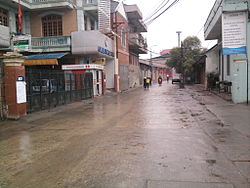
[137, 43]
[228, 22]
[127, 23]
[67, 36]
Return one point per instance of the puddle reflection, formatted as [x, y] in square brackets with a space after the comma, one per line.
[25, 146]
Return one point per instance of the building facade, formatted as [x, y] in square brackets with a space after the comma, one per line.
[64, 41]
[137, 43]
[128, 25]
[230, 57]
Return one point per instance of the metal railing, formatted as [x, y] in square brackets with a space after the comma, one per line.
[51, 42]
[50, 1]
[90, 2]
[34, 4]
[50, 88]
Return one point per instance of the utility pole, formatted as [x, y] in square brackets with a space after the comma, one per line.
[182, 67]
[151, 61]
[179, 38]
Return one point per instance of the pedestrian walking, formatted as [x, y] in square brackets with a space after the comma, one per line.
[145, 83]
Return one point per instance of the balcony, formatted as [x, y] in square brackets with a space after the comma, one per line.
[51, 44]
[137, 43]
[46, 4]
[90, 5]
[135, 18]
[4, 37]
[90, 2]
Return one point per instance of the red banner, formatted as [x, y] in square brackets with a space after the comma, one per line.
[20, 17]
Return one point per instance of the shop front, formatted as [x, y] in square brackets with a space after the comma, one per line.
[98, 75]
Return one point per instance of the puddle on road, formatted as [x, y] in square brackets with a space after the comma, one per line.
[211, 162]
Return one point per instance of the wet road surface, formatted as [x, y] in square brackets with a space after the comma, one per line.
[161, 137]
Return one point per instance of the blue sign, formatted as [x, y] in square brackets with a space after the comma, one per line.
[105, 51]
[229, 51]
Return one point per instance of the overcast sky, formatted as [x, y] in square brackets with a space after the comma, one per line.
[188, 16]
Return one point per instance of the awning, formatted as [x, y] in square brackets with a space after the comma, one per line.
[44, 59]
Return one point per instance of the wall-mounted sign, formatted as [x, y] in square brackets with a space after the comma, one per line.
[234, 33]
[21, 92]
[22, 43]
[105, 51]
[99, 61]
[82, 67]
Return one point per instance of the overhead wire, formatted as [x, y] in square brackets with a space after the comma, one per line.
[171, 5]
[153, 19]
[160, 6]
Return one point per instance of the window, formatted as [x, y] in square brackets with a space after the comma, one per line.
[123, 38]
[4, 20]
[228, 65]
[52, 25]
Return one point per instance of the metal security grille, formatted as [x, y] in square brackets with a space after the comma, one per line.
[48, 88]
[52, 25]
[104, 15]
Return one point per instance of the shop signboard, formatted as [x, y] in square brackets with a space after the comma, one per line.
[22, 43]
[234, 33]
[99, 61]
[83, 67]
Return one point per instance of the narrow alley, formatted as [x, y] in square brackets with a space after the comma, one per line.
[161, 137]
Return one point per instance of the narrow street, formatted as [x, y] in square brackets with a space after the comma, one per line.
[161, 137]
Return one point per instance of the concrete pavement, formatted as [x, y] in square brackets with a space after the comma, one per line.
[161, 137]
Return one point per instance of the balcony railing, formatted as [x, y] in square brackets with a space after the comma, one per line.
[43, 4]
[90, 2]
[51, 44]
[50, 1]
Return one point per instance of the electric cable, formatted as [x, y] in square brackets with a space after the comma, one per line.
[172, 4]
[153, 19]
[160, 6]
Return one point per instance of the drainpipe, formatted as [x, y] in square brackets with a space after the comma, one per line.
[247, 54]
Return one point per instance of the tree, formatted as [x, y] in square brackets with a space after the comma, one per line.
[183, 59]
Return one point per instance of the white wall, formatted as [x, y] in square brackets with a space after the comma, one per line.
[212, 60]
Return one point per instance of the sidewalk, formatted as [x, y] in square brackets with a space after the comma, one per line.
[236, 115]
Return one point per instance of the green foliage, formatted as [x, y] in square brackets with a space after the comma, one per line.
[175, 60]
[183, 59]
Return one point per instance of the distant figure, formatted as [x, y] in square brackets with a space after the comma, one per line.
[148, 80]
[167, 77]
[145, 83]
[159, 80]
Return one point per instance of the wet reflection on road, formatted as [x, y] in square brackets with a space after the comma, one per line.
[124, 140]
[25, 146]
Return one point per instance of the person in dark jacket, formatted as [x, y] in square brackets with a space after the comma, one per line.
[145, 82]
[160, 80]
